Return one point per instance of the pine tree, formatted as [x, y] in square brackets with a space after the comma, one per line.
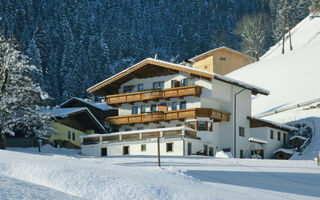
[21, 98]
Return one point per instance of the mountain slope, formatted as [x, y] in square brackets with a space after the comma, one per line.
[291, 78]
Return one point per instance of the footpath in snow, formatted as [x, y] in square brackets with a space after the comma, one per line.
[193, 177]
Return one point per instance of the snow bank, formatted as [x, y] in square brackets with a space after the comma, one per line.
[138, 177]
[222, 154]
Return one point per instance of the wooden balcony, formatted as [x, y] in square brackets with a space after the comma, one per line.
[155, 117]
[118, 99]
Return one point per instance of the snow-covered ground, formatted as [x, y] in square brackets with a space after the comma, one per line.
[192, 177]
[291, 78]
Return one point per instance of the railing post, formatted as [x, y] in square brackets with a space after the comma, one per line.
[120, 137]
[161, 133]
[100, 138]
[140, 135]
[183, 132]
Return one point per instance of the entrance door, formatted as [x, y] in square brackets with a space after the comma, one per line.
[189, 148]
[104, 151]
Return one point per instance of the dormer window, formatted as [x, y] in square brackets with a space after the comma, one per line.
[128, 89]
[158, 85]
[222, 58]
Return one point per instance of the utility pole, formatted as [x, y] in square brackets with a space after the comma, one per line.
[286, 25]
[159, 152]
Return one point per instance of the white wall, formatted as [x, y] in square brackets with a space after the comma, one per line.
[272, 144]
[116, 149]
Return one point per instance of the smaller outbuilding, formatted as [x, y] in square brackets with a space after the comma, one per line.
[283, 154]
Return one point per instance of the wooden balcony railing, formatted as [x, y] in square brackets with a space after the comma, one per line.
[118, 99]
[136, 135]
[170, 115]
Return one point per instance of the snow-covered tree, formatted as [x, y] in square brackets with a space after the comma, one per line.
[21, 99]
[253, 33]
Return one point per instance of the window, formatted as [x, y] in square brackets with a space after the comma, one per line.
[143, 147]
[142, 109]
[222, 58]
[158, 85]
[128, 89]
[140, 87]
[192, 125]
[211, 151]
[202, 126]
[241, 131]
[175, 83]
[160, 126]
[183, 105]
[271, 134]
[189, 148]
[126, 150]
[73, 136]
[153, 108]
[192, 81]
[279, 136]
[205, 149]
[127, 129]
[140, 128]
[284, 140]
[103, 151]
[69, 135]
[210, 126]
[174, 105]
[241, 153]
[169, 147]
[178, 125]
[134, 110]
[186, 82]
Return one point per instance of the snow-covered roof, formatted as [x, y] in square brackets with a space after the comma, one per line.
[101, 106]
[66, 112]
[274, 124]
[140, 131]
[256, 140]
[298, 137]
[288, 151]
[211, 51]
[179, 67]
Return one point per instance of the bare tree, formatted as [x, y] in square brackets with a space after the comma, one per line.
[252, 29]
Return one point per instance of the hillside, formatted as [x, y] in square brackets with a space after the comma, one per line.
[291, 78]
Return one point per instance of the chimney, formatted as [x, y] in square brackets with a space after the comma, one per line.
[189, 62]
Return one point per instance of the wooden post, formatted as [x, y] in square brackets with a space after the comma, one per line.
[159, 152]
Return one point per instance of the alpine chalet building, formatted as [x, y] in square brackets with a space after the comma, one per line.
[191, 111]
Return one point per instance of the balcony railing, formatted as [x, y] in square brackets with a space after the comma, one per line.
[170, 115]
[118, 99]
[138, 135]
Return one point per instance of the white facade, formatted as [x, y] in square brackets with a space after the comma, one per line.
[217, 94]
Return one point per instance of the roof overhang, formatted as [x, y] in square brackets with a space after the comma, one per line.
[88, 120]
[257, 123]
[152, 68]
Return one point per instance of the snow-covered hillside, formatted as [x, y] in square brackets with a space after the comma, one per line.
[291, 78]
[190, 177]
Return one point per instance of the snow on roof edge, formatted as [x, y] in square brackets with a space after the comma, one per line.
[288, 151]
[251, 139]
[94, 104]
[219, 77]
[288, 127]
